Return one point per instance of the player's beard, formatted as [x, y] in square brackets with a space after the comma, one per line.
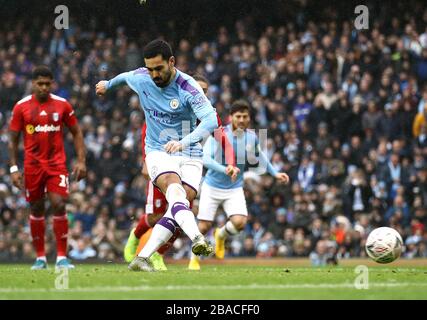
[161, 83]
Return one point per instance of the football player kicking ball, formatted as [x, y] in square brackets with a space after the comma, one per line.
[41, 117]
[218, 189]
[172, 101]
[155, 208]
[156, 204]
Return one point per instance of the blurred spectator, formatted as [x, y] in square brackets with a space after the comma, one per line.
[82, 251]
[322, 256]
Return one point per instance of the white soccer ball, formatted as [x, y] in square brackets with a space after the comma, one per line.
[384, 245]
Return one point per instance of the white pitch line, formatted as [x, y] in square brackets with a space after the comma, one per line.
[220, 287]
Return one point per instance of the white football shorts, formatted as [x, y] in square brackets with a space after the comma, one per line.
[188, 169]
[232, 200]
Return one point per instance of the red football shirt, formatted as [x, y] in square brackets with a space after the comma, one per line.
[42, 124]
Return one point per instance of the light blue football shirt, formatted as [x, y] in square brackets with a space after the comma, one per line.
[246, 151]
[171, 112]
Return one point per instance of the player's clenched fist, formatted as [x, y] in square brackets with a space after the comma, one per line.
[282, 177]
[101, 88]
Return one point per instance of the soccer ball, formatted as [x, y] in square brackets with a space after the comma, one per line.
[384, 245]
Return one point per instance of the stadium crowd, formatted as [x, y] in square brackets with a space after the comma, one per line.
[345, 112]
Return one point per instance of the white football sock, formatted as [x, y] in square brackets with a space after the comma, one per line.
[187, 222]
[162, 232]
[180, 212]
[227, 229]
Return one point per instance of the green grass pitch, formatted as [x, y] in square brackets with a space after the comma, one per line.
[114, 281]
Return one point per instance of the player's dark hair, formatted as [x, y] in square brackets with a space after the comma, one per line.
[156, 47]
[42, 71]
[240, 106]
[199, 77]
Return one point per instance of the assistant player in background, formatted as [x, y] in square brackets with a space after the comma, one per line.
[156, 204]
[41, 117]
[218, 189]
[172, 102]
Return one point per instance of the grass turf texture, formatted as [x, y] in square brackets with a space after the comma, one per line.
[114, 281]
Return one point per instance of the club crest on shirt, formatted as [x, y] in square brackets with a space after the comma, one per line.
[55, 116]
[29, 128]
[174, 104]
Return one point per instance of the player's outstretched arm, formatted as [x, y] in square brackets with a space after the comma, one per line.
[103, 86]
[79, 169]
[15, 175]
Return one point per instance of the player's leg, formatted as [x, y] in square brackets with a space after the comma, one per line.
[157, 257]
[208, 206]
[205, 226]
[155, 209]
[34, 192]
[209, 202]
[232, 227]
[162, 169]
[169, 181]
[236, 210]
[163, 249]
[156, 203]
[154, 218]
[191, 173]
[57, 187]
[38, 229]
[166, 172]
[165, 227]
[160, 206]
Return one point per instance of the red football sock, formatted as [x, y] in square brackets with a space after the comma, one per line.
[37, 227]
[60, 228]
[164, 248]
[142, 227]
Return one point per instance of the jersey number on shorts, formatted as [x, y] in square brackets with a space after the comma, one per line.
[64, 181]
